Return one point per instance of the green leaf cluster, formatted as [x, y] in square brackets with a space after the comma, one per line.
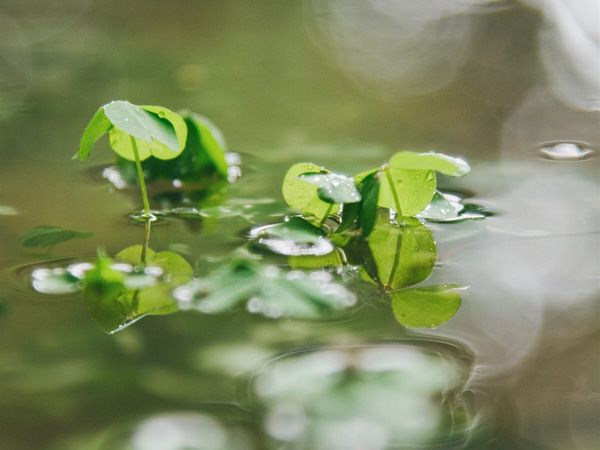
[121, 291]
[265, 290]
[406, 184]
[184, 145]
[395, 256]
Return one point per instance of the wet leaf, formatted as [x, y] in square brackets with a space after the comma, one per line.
[265, 290]
[121, 291]
[413, 190]
[443, 207]
[333, 187]
[203, 158]
[293, 237]
[157, 131]
[209, 141]
[48, 235]
[354, 214]
[303, 196]
[156, 299]
[399, 255]
[308, 262]
[426, 307]
[447, 208]
[439, 162]
[165, 133]
[369, 189]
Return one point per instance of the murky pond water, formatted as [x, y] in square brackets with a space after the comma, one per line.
[512, 87]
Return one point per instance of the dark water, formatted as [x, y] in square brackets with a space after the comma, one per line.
[511, 87]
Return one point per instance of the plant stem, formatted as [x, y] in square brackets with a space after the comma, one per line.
[396, 262]
[147, 227]
[388, 176]
[326, 215]
[141, 181]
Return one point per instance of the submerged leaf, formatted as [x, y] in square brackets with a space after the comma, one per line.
[395, 256]
[266, 290]
[303, 196]
[426, 307]
[333, 187]
[106, 295]
[309, 262]
[48, 235]
[439, 162]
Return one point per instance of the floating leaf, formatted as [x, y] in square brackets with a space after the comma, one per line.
[439, 162]
[443, 208]
[266, 290]
[48, 235]
[447, 208]
[304, 196]
[426, 307]
[308, 262]
[294, 237]
[157, 131]
[121, 291]
[407, 192]
[395, 256]
[333, 187]
[156, 299]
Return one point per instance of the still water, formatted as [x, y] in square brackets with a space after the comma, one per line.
[511, 86]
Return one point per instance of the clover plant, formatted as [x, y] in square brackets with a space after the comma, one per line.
[183, 146]
[406, 185]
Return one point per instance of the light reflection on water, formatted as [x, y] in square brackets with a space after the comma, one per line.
[369, 397]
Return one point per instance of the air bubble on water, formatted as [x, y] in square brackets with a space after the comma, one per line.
[254, 305]
[322, 276]
[273, 311]
[566, 151]
[114, 177]
[184, 296]
[78, 270]
[295, 275]
[55, 281]
[271, 272]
